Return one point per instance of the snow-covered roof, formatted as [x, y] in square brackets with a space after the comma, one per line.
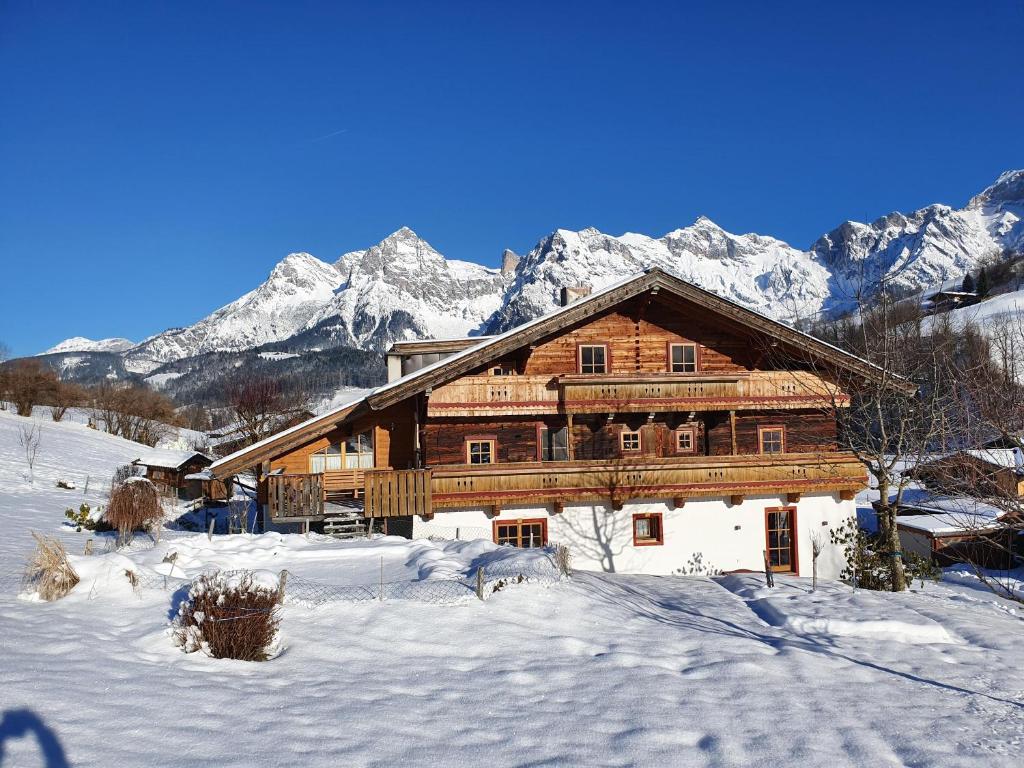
[166, 458]
[950, 515]
[1000, 457]
[203, 475]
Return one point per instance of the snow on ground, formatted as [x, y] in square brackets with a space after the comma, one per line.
[601, 670]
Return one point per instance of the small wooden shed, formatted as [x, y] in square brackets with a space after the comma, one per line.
[169, 469]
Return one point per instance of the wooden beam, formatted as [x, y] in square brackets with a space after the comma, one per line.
[847, 495]
[793, 498]
[568, 437]
[736, 499]
[732, 430]
[678, 502]
[557, 508]
[495, 510]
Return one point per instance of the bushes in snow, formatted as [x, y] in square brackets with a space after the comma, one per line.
[48, 570]
[134, 505]
[868, 563]
[86, 517]
[229, 617]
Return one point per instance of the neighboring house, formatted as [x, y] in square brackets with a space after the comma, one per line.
[651, 427]
[945, 301]
[169, 470]
[957, 530]
[981, 473]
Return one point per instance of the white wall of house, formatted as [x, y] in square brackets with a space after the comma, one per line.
[703, 536]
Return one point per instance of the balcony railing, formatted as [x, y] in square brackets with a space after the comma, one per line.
[637, 393]
[422, 491]
[397, 493]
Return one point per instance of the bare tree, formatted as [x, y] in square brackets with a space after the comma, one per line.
[64, 395]
[817, 545]
[27, 384]
[260, 407]
[888, 416]
[139, 414]
[30, 437]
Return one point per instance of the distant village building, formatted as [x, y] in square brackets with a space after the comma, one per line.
[983, 472]
[944, 301]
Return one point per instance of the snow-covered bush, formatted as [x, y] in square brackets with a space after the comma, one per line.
[229, 617]
[134, 505]
[86, 517]
[48, 572]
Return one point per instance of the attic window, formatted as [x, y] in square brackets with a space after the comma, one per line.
[593, 358]
[682, 358]
[503, 369]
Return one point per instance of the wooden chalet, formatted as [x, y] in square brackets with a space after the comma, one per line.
[648, 426]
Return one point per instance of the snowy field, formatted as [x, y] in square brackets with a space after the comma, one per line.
[601, 670]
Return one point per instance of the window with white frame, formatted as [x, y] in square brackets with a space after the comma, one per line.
[686, 440]
[480, 451]
[629, 440]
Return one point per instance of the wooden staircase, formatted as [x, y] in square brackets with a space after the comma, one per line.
[342, 522]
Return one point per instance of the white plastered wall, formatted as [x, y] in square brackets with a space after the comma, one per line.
[703, 536]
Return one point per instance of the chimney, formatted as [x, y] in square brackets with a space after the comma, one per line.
[571, 293]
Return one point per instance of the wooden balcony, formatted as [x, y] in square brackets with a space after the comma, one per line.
[302, 497]
[618, 481]
[420, 492]
[397, 493]
[633, 393]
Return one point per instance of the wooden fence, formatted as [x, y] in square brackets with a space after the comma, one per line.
[295, 496]
[396, 493]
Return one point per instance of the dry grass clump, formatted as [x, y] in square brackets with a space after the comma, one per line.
[48, 570]
[229, 618]
[563, 559]
[134, 505]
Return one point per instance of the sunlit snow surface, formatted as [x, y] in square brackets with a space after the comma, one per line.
[601, 670]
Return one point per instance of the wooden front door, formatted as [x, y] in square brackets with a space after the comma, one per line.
[780, 526]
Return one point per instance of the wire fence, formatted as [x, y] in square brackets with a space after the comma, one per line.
[479, 583]
[451, 532]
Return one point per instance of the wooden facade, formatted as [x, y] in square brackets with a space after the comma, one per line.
[593, 403]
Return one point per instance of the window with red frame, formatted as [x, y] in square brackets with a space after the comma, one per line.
[647, 530]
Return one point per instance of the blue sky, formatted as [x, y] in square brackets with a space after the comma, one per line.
[159, 158]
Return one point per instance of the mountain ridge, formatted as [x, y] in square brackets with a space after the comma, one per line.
[403, 288]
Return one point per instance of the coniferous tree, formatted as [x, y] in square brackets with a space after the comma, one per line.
[967, 286]
[983, 284]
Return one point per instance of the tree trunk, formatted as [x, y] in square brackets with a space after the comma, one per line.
[889, 538]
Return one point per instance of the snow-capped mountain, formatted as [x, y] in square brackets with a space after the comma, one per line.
[298, 287]
[82, 344]
[403, 288]
[926, 247]
[760, 272]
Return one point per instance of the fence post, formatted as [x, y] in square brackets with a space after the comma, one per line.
[480, 582]
[88, 547]
[209, 533]
[282, 580]
[382, 578]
